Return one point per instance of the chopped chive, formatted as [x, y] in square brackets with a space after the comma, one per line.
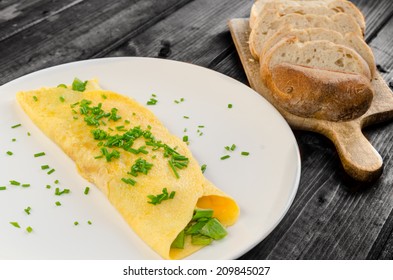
[62, 99]
[157, 199]
[51, 171]
[233, 147]
[201, 126]
[76, 223]
[104, 96]
[28, 134]
[10, 153]
[203, 168]
[2, 188]
[17, 125]
[245, 153]
[186, 117]
[35, 98]
[129, 181]
[15, 224]
[89, 222]
[152, 101]
[78, 85]
[48, 186]
[58, 203]
[43, 167]
[230, 106]
[25, 185]
[13, 139]
[58, 192]
[86, 190]
[62, 86]
[225, 157]
[14, 183]
[27, 210]
[39, 154]
[185, 138]
[56, 181]
[29, 229]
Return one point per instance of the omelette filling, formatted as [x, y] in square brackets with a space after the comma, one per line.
[148, 174]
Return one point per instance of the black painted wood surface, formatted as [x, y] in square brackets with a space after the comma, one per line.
[332, 217]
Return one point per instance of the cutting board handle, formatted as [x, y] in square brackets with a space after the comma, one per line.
[359, 158]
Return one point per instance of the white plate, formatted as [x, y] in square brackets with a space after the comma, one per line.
[263, 183]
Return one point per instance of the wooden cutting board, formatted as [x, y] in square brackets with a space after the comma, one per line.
[359, 158]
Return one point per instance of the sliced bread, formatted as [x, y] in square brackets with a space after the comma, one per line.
[318, 79]
[350, 39]
[324, 7]
[271, 22]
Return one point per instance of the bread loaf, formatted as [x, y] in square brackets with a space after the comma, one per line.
[352, 40]
[318, 79]
[324, 7]
[269, 23]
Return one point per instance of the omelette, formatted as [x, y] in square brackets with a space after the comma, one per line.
[148, 174]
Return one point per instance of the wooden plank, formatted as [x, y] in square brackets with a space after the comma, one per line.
[197, 33]
[78, 32]
[17, 16]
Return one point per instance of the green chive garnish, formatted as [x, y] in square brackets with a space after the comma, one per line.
[225, 157]
[15, 224]
[186, 117]
[43, 167]
[62, 99]
[27, 210]
[76, 223]
[203, 168]
[35, 98]
[62, 86]
[56, 181]
[29, 229]
[51, 171]
[129, 181]
[13, 139]
[89, 222]
[230, 106]
[86, 190]
[58, 192]
[25, 185]
[10, 153]
[14, 183]
[17, 125]
[39, 154]
[157, 199]
[185, 138]
[58, 203]
[78, 85]
[2, 188]
[245, 153]
[48, 186]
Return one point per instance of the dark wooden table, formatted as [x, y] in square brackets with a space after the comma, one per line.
[331, 217]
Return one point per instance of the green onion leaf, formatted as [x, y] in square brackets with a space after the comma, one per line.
[129, 181]
[199, 239]
[43, 167]
[14, 183]
[179, 241]
[51, 171]
[202, 213]
[214, 229]
[225, 157]
[3, 188]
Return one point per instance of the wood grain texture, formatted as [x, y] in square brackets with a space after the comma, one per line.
[78, 32]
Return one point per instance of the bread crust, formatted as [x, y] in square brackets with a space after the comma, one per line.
[317, 93]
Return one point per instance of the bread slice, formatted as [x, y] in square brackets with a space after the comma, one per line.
[307, 7]
[318, 79]
[270, 22]
[350, 39]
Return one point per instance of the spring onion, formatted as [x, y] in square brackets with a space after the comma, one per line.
[51, 171]
[43, 167]
[3, 188]
[15, 183]
[129, 181]
[78, 85]
[245, 153]
[225, 157]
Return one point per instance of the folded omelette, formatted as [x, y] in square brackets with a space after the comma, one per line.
[148, 174]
